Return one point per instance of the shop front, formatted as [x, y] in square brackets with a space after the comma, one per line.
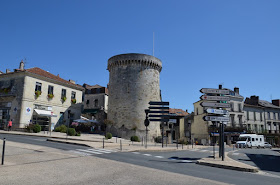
[42, 115]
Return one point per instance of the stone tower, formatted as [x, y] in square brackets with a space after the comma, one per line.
[133, 83]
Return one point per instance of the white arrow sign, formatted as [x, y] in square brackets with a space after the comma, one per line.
[211, 104]
[216, 111]
[216, 118]
[218, 98]
[214, 91]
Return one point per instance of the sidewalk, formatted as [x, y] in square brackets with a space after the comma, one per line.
[123, 145]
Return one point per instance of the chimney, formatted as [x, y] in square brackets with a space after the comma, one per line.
[276, 102]
[72, 81]
[8, 71]
[236, 90]
[58, 75]
[21, 65]
[220, 86]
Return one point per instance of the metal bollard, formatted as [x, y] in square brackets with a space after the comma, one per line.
[103, 142]
[116, 139]
[121, 145]
[182, 146]
[142, 141]
[177, 144]
[233, 147]
[3, 151]
[166, 142]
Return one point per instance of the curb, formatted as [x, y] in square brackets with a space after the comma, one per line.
[228, 167]
[66, 142]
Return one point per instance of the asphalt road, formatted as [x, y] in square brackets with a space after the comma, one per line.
[180, 162]
[267, 160]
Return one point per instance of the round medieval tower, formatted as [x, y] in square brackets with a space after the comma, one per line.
[133, 83]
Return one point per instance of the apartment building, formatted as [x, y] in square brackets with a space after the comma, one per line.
[37, 96]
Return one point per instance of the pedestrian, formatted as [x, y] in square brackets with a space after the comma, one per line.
[10, 123]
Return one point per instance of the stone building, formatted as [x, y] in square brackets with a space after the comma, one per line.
[95, 102]
[262, 116]
[133, 83]
[37, 96]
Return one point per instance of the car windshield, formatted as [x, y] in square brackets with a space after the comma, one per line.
[242, 139]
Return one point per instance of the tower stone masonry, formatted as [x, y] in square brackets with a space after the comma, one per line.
[133, 83]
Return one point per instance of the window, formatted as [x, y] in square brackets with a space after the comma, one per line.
[196, 111]
[260, 139]
[274, 116]
[239, 107]
[278, 115]
[261, 116]
[87, 101]
[96, 103]
[73, 95]
[232, 119]
[268, 115]
[247, 115]
[50, 89]
[254, 116]
[253, 139]
[63, 93]
[38, 86]
[257, 139]
[240, 119]
[232, 106]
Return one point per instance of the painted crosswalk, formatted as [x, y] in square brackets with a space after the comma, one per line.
[87, 152]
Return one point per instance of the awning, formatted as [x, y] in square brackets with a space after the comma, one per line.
[93, 111]
[45, 113]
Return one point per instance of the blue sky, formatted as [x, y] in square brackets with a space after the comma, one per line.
[201, 43]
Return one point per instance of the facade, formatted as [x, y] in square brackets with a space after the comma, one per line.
[133, 83]
[95, 102]
[262, 116]
[201, 130]
[37, 96]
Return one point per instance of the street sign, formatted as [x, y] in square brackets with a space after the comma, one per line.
[216, 98]
[158, 103]
[158, 108]
[162, 120]
[161, 112]
[160, 116]
[216, 111]
[214, 91]
[216, 118]
[212, 104]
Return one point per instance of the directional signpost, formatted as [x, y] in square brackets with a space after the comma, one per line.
[216, 101]
[159, 111]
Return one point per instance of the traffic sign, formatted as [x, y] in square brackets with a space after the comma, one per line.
[146, 122]
[161, 112]
[158, 103]
[216, 118]
[158, 108]
[216, 98]
[216, 111]
[160, 115]
[162, 120]
[212, 104]
[214, 91]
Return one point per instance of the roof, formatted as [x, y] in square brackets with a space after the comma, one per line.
[92, 86]
[178, 112]
[46, 74]
[267, 104]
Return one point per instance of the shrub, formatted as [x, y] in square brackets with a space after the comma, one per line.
[50, 96]
[71, 132]
[38, 93]
[63, 98]
[36, 128]
[108, 135]
[73, 101]
[78, 133]
[135, 138]
[158, 139]
[61, 128]
[29, 128]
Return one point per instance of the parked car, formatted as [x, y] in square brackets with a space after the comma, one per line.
[267, 145]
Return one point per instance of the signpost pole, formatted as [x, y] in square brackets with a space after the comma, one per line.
[146, 137]
[162, 133]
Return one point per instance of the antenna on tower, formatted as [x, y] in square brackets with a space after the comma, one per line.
[270, 97]
[153, 43]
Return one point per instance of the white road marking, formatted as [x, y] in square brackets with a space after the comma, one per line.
[204, 150]
[88, 151]
[147, 154]
[135, 152]
[159, 157]
[186, 161]
[235, 153]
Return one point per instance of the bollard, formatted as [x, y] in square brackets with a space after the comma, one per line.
[103, 142]
[3, 151]
[142, 140]
[233, 147]
[166, 142]
[177, 144]
[182, 146]
[116, 139]
[121, 145]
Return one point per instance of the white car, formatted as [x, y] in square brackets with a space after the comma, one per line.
[267, 145]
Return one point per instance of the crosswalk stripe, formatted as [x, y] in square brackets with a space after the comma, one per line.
[186, 161]
[81, 153]
[88, 151]
[235, 153]
[204, 150]
[135, 152]
[106, 152]
[194, 149]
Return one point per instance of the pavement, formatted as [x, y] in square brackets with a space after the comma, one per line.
[123, 145]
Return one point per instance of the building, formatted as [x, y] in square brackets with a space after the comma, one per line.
[262, 116]
[95, 102]
[37, 96]
[201, 130]
[133, 83]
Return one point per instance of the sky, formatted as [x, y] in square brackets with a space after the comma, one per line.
[201, 43]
